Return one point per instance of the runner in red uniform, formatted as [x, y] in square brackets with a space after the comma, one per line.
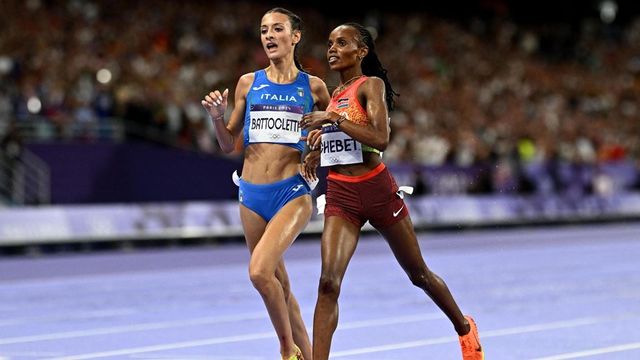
[351, 135]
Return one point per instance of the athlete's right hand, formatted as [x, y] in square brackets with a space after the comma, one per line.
[315, 119]
[216, 103]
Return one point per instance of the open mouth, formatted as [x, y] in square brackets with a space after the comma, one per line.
[332, 59]
[271, 46]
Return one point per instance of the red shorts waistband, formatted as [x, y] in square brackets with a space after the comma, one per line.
[354, 179]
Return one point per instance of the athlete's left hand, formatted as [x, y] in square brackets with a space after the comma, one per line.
[315, 119]
[310, 165]
[314, 138]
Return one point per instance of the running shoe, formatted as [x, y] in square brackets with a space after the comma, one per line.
[470, 343]
[297, 355]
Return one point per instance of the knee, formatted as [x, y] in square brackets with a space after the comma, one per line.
[422, 278]
[329, 286]
[259, 277]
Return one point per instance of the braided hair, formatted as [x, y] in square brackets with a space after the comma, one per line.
[371, 65]
[296, 24]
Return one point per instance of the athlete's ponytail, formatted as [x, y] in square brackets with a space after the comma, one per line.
[371, 65]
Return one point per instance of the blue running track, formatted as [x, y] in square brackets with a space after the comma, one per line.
[536, 293]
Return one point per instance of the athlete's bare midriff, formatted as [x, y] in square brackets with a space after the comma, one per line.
[268, 163]
[369, 162]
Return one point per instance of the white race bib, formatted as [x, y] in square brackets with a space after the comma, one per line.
[275, 123]
[338, 148]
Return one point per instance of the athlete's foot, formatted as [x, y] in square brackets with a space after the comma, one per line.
[297, 355]
[470, 343]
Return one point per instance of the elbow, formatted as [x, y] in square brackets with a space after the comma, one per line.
[228, 149]
[381, 146]
[226, 143]
[383, 143]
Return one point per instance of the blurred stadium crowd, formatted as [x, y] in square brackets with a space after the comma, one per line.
[486, 92]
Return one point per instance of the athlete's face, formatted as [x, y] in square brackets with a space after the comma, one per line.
[278, 39]
[345, 50]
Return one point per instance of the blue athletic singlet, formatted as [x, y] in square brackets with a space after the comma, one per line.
[273, 111]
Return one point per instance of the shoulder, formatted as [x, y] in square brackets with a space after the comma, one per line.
[372, 85]
[374, 82]
[316, 83]
[244, 82]
[247, 79]
[320, 93]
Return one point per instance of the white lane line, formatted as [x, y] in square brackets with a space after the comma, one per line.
[389, 321]
[195, 357]
[592, 352]
[247, 337]
[132, 328]
[29, 354]
[202, 321]
[171, 346]
[484, 334]
[490, 333]
[77, 316]
[165, 324]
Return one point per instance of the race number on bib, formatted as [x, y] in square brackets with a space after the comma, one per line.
[275, 123]
[338, 148]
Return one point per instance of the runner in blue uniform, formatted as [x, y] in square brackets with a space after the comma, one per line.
[275, 200]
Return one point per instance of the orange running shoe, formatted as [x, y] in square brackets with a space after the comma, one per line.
[297, 355]
[470, 343]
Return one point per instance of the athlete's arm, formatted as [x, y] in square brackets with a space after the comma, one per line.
[371, 95]
[321, 100]
[226, 134]
[375, 134]
[320, 93]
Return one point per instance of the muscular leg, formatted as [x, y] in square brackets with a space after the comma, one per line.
[402, 240]
[266, 256]
[300, 335]
[339, 240]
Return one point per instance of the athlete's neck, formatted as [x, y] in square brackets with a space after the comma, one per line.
[281, 73]
[350, 76]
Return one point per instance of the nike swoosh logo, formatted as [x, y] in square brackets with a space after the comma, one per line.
[395, 213]
[256, 88]
[479, 348]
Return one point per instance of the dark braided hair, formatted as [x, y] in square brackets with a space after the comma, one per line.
[296, 24]
[371, 65]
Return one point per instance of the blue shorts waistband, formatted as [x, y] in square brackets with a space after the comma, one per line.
[295, 179]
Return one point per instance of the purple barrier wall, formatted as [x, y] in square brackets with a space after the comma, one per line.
[134, 172]
[542, 178]
[140, 172]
